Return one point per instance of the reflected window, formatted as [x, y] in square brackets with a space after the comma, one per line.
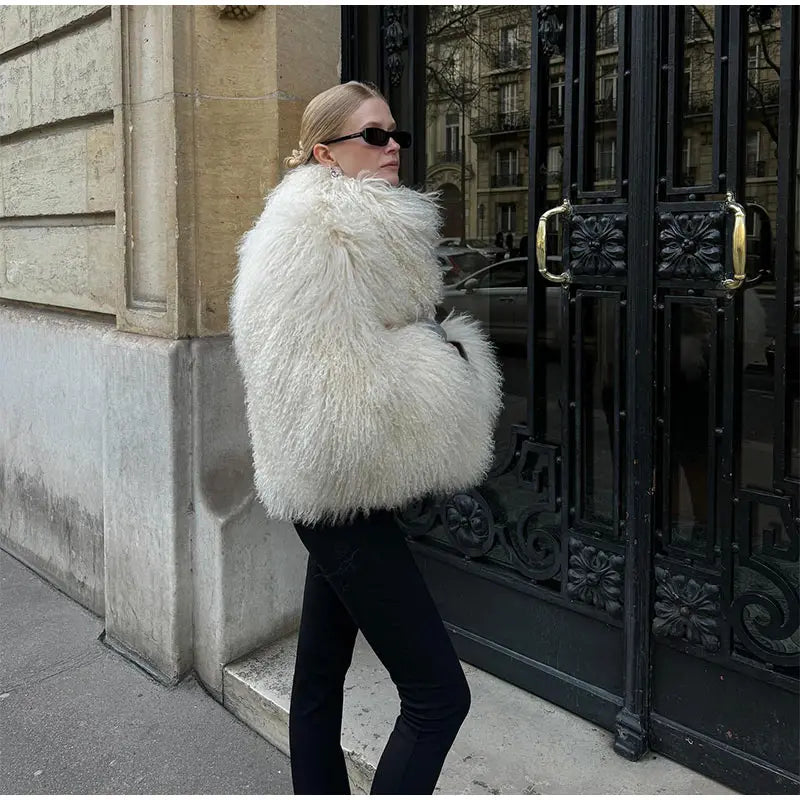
[506, 216]
[607, 93]
[687, 165]
[508, 103]
[452, 137]
[557, 100]
[607, 27]
[753, 64]
[753, 164]
[509, 52]
[555, 160]
[506, 168]
[606, 159]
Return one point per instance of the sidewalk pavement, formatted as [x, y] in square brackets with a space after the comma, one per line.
[77, 718]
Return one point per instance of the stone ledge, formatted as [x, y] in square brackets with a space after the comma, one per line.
[512, 742]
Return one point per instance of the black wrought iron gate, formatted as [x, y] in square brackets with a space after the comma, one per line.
[634, 554]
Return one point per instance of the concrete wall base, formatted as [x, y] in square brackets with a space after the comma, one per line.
[126, 480]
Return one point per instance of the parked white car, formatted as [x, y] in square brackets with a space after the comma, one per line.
[491, 251]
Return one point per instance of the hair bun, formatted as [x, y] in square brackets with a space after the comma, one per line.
[297, 158]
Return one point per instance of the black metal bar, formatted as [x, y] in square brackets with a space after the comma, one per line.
[577, 409]
[632, 721]
[720, 548]
[718, 140]
[720, 761]
[567, 393]
[715, 449]
[382, 77]
[570, 109]
[619, 415]
[737, 84]
[675, 63]
[537, 202]
[417, 90]
[666, 306]
[623, 87]
[349, 23]
[586, 94]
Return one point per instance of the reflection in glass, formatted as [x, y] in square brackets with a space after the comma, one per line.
[690, 421]
[477, 129]
[551, 333]
[762, 325]
[695, 90]
[596, 387]
[602, 107]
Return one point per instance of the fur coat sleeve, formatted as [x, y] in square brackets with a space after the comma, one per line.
[352, 402]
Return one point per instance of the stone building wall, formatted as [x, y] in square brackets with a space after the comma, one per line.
[57, 170]
[137, 144]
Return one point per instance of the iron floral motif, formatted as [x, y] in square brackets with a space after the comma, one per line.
[687, 609]
[551, 31]
[394, 40]
[595, 577]
[597, 245]
[418, 517]
[469, 523]
[536, 550]
[691, 246]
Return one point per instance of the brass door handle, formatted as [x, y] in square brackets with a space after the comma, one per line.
[541, 242]
[739, 244]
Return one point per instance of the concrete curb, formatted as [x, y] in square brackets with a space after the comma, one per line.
[511, 743]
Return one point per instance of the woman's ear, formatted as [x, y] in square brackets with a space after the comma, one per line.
[322, 153]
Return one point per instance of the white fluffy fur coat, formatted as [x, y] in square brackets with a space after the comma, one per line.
[351, 404]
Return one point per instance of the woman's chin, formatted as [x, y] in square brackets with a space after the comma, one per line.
[390, 174]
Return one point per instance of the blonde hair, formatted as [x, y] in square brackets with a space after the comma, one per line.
[325, 115]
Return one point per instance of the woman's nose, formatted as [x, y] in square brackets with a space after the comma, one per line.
[392, 147]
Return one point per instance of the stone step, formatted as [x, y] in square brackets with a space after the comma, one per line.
[511, 743]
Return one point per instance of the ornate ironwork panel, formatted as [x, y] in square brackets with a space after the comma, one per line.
[633, 553]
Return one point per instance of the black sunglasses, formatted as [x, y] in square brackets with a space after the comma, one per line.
[377, 137]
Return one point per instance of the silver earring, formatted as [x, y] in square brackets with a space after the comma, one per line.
[336, 172]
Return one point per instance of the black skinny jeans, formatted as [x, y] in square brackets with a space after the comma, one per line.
[362, 576]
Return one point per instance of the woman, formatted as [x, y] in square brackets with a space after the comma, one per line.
[357, 403]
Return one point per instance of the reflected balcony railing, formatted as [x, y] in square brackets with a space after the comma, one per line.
[504, 180]
[607, 39]
[448, 157]
[605, 108]
[555, 115]
[605, 173]
[501, 122]
[508, 56]
[754, 168]
[766, 93]
[700, 102]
